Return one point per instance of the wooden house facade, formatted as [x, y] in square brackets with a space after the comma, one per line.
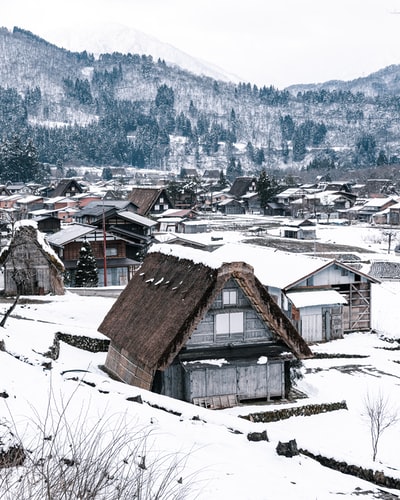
[201, 333]
[114, 267]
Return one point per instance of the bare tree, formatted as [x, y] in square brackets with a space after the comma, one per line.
[380, 416]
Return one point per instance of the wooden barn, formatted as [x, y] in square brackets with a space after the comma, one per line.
[322, 297]
[201, 332]
[30, 266]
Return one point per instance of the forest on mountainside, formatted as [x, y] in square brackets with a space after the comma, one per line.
[128, 109]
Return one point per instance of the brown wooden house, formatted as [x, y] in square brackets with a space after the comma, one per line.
[30, 265]
[115, 268]
[206, 334]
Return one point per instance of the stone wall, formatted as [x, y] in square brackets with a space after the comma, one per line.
[86, 343]
[373, 476]
[297, 411]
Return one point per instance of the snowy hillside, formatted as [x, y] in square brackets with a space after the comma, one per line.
[112, 37]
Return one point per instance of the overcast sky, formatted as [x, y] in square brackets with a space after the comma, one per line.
[266, 42]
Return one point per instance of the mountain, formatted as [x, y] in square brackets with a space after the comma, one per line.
[127, 108]
[113, 37]
[386, 81]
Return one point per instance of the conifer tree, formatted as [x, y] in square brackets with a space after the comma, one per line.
[267, 188]
[86, 268]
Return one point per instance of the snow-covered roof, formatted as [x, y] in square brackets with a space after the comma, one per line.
[70, 233]
[272, 267]
[197, 256]
[316, 297]
[378, 202]
[131, 216]
[30, 199]
[40, 238]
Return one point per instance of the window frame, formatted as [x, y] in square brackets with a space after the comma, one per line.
[229, 324]
[229, 297]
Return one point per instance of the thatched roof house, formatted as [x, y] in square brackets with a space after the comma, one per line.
[31, 267]
[176, 314]
[150, 200]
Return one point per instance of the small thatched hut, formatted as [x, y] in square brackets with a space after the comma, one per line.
[30, 265]
[201, 332]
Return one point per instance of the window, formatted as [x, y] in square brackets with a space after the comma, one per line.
[229, 297]
[228, 323]
[161, 200]
[111, 252]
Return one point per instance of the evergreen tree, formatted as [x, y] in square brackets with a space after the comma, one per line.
[222, 182]
[299, 145]
[267, 188]
[234, 169]
[365, 150]
[287, 127]
[86, 268]
[107, 174]
[19, 161]
[382, 159]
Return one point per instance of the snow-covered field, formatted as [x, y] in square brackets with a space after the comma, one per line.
[219, 461]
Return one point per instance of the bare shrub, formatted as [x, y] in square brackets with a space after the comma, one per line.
[86, 458]
[380, 416]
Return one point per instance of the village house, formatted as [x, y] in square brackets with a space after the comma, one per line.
[244, 189]
[99, 210]
[394, 214]
[200, 331]
[150, 201]
[108, 250]
[64, 188]
[30, 266]
[369, 209]
[335, 297]
[180, 221]
[47, 223]
[231, 206]
[121, 219]
[302, 230]
[27, 204]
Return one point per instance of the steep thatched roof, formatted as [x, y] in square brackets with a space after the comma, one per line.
[65, 186]
[28, 251]
[25, 232]
[241, 186]
[163, 303]
[145, 198]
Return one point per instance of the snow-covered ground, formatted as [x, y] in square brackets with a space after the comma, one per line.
[220, 462]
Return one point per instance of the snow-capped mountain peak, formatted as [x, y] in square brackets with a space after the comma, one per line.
[113, 37]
